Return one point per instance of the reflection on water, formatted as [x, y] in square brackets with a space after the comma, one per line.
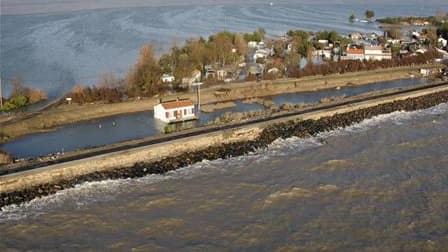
[379, 185]
[137, 125]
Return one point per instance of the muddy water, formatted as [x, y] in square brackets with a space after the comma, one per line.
[380, 185]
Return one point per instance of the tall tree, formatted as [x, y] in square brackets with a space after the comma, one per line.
[144, 77]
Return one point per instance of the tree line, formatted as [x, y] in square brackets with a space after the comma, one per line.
[347, 66]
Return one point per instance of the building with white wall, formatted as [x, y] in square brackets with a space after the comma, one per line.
[175, 111]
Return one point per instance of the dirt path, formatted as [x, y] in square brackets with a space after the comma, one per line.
[67, 114]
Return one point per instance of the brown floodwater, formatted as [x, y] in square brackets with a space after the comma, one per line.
[380, 185]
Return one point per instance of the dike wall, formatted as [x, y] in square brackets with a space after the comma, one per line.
[159, 158]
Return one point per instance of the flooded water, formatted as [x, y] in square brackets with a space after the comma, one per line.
[138, 125]
[380, 185]
[55, 44]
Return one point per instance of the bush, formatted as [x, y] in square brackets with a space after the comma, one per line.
[81, 95]
[15, 103]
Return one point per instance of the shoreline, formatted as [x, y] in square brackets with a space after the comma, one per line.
[320, 122]
[53, 118]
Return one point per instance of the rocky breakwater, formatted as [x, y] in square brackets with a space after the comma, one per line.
[299, 128]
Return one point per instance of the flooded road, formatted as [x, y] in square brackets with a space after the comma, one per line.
[380, 185]
[138, 125]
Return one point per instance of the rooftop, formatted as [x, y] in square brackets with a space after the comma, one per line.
[374, 48]
[177, 104]
[355, 51]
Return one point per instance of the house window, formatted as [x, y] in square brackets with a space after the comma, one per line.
[192, 110]
[167, 114]
[185, 111]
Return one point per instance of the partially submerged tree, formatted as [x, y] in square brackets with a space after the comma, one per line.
[369, 14]
[352, 18]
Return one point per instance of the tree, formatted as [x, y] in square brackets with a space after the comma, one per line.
[144, 77]
[431, 35]
[257, 35]
[222, 44]
[303, 35]
[109, 80]
[369, 14]
[443, 30]
[393, 33]
[17, 87]
[352, 18]
[240, 44]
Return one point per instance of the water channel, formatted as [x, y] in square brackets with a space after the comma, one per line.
[118, 128]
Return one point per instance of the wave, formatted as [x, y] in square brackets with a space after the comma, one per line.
[88, 193]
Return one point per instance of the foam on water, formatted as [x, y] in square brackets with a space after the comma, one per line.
[103, 191]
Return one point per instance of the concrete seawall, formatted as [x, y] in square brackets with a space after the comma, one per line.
[53, 174]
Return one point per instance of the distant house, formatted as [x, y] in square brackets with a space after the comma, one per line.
[262, 53]
[368, 53]
[324, 53]
[355, 36]
[443, 42]
[377, 53]
[224, 73]
[175, 111]
[353, 54]
[167, 78]
[323, 41]
[252, 44]
[425, 72]
[194, 77]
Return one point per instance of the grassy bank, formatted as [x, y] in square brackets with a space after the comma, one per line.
[67, 114]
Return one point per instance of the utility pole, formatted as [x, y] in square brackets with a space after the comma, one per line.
[1, 94]
[198, 85]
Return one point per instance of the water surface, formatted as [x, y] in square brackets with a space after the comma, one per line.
[380, 185]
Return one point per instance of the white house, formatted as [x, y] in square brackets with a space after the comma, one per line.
[443, 42]
[425, 72]
[354, 54]
[323, 41]
[252, 44]
[175, 111]
[325, 53]
[194, 77]
[355, 36]
[377, 53]
[261, 53]
[167, 78]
